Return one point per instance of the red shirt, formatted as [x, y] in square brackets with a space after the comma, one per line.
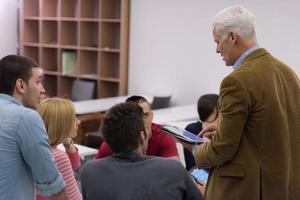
[161, 144]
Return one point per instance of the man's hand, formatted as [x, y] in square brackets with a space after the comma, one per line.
[208, 131]
[186, 145]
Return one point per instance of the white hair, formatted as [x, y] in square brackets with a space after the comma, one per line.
[235, 19]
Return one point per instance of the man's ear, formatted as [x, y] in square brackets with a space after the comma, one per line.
[20, 86]
[151, 115]
[142, 137]
[233, 37]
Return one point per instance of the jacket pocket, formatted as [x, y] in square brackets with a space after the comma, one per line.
[232, 170]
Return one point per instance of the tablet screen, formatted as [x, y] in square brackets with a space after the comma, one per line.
[200, 175]
[183, 134]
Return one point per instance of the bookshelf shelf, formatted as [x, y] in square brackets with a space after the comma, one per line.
[31, 8]
[111, 9]
[88, 62]
[49, 8]
[31, 31]
[51, 86]
[89, 34]
[49, 59]
[90, 9]
[69, 8]
[110, 36]
[32, 52]
[78, 39]
[69, 33]
[49, 32]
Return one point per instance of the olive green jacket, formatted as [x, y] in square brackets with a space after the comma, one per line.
[255, 153]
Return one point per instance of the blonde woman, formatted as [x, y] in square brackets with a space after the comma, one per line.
[61, 124]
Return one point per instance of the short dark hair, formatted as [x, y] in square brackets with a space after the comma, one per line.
[206, 105]
[12, 68]
[122, 125]
[136, 99]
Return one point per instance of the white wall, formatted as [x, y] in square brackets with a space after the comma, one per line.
[8, 31]
[172, 49]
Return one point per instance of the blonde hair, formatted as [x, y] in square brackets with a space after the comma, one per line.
[58, 115]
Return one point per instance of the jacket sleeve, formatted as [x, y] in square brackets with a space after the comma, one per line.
[233, 113]
[34, 145]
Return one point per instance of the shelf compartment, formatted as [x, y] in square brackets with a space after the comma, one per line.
[31, 52]
[111, 9]
[50, 85]
[69, 60]
[88, 64]
[69, 8]
[65, 86]
[110, 35]
[31, 31]
[108, 89]
[89, 34]
[49, 32]
[89, 9]
[49, 59]
[68, 33]
[109, 65]
[49, 8]
[31, 7]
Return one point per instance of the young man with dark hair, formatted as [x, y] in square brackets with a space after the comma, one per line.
[128, 174]
[25, 152]
[160, 144]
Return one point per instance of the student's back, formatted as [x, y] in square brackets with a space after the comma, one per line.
[130, 176]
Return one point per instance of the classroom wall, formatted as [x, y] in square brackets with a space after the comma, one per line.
[171, 46]
[8, 31]
[172, 49]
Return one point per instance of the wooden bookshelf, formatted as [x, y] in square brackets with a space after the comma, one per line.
[95, 31]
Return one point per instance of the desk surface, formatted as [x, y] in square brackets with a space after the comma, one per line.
[174, 114]
[101, 105]
[83, 150]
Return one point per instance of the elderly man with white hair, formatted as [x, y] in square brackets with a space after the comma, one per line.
[254, 152]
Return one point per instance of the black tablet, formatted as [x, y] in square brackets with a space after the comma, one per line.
[182, 134]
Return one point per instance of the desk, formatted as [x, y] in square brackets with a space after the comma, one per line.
[174, 114]
[84, 151]
[102, 105]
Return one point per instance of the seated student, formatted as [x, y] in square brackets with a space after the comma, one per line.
[61, 124]
[160, 144]
[208, 113]
[128, 174]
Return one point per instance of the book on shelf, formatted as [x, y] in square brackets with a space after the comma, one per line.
[69, 62]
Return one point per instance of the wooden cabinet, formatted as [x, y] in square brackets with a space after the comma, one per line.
[77, 39]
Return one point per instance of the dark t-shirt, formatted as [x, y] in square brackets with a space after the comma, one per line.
[195, 128]
[130, 176]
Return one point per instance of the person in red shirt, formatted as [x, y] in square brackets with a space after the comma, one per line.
[160, 144]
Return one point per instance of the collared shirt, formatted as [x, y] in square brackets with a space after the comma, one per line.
[238, 62]
[25, 153]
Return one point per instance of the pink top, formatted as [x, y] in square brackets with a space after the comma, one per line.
[66, 162]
